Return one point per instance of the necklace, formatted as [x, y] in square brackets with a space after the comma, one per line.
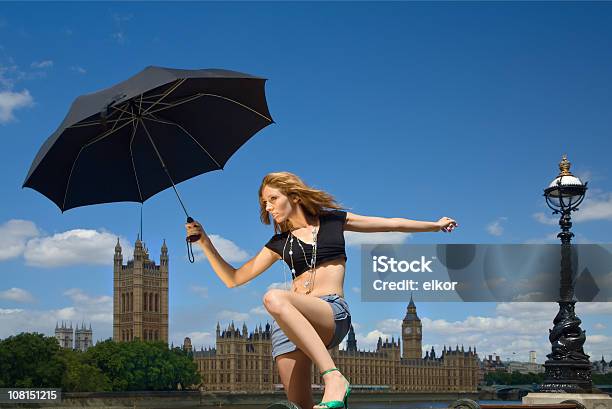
[313, 259]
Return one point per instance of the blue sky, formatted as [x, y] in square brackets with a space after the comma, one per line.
[415, 110]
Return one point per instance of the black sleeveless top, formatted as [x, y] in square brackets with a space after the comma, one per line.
[330, 242]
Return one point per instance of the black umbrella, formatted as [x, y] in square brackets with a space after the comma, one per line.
[158, 128]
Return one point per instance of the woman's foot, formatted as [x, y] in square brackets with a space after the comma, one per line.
[335, 388]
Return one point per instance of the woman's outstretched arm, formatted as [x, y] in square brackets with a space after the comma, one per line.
[232, 277]
[370, 224]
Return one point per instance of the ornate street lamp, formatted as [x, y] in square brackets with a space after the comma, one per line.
[568, 368]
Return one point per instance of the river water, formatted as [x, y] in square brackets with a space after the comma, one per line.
[406, 405]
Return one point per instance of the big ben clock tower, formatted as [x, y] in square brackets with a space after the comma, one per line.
[411, 333]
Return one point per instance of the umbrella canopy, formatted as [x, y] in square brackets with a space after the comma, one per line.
[141, 136]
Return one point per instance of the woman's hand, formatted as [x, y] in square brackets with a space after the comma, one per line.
[446, 224]
[195, 228]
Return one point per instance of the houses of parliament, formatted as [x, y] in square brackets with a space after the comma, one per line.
[242, 361]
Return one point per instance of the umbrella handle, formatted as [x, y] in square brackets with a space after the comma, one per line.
[191, 239]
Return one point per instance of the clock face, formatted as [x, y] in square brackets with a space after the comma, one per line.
[407, 330]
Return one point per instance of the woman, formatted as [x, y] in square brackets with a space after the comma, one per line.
[313, 317]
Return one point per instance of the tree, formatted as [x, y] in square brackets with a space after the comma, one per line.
[80, 376]
[30, 360]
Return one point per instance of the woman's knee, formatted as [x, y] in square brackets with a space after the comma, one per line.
[274, 300]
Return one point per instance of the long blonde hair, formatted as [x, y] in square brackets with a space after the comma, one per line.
[312, 200]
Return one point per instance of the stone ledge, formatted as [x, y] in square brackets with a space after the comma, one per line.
[588, 400]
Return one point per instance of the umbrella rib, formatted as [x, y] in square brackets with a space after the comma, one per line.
[84, 124]
[118, 119]
[198, 95]
[123, 111]
[165, 94]
[164, 166]
[135, 126]
[79, 154]
[165, 121]
[107, 133]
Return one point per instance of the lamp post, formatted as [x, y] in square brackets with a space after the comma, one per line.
[568, 368]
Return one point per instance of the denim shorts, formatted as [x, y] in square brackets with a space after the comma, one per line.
[342, 316]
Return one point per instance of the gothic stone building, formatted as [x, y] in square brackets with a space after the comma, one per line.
[140, 296]
[82, 336]
[243, 362]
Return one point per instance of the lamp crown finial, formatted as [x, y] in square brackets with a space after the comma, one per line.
[564, 166]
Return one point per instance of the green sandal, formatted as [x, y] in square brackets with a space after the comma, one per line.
[336, 404]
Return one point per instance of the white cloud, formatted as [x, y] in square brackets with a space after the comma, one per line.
[42, 64]
[543, 240]
[201, 291]
[10, 74]
[13, 237]
[198, 339]
[97, 310]
[119, 33]
[392, 326]
[352, 238]
[78, 246]
[593, 308]
[78, 69]
[541, 217]
[512, 332]
[226, 248]
[259, 310]
[280, 285]
[90, 308]
[11, 101]
[599, 325]
[369, 340]
[17, 295]
[495, 228]
[599, 339]
[232, 315]
[596, 206]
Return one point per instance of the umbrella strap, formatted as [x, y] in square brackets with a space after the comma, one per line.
[190, 251]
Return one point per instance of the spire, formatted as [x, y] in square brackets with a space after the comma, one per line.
[164, 248]
[411, 313]
[118, 246]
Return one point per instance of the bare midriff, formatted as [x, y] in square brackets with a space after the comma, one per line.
[328, 279]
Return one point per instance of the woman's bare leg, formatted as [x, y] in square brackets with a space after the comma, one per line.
[308, 322]
[295, 370]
